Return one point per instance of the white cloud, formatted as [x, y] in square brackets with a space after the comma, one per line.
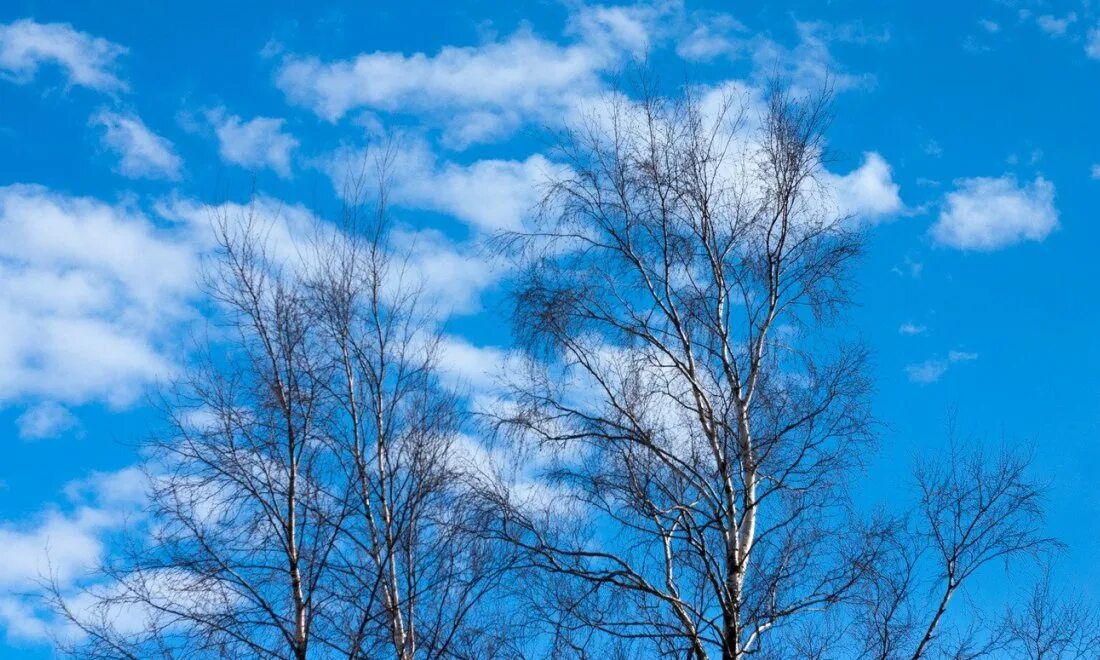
[909, 267]
[287, 229]
[257, 143]
[867, 193]
[910, 328]
[47, 419]
[479, 368]
[1092, 43]
[87, 61]
[933, 369]
[58, 542]
[629, 28]
[488, 195]
[522, 75]
[810, 64]
[712, 37]
[480, 93]
[1096, 171]
[89, 293]
[991, 213]
[452, 275]
[961, 356]
[507, 190]
[62, 543]
[989, 26]
[143, 154]
[1055, 26]
[926, 372]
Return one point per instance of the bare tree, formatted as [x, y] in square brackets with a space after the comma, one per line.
[308, 499]
[237, 558]
[413, 575]
[1050, 625]
[976, 508]
[703, 428]
[683, 428]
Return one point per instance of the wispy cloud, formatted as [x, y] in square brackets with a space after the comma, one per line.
[1092, 43]
[47, 419]
[909, 268]
[931, 370]
[62, 544]
[1054, 25]
[142, 153]
[86, 60]
[910, 328]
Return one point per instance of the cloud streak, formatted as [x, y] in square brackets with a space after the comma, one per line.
[86, 60]
[931, 370]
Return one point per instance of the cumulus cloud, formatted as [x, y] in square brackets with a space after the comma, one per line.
[47, 419]
[257, 143]
[867, 193]
[931, 370]
[87, 61]
[288, 230]
[94, 297]
[629, 28]
[1092, 43]
[992, 213]
[508, 190]
[88, 293]
[142, 153]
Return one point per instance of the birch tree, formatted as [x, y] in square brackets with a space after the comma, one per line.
[308, 496]
[977, 509]
[676, 286]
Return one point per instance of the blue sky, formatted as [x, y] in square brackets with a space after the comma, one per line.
[965, 141]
